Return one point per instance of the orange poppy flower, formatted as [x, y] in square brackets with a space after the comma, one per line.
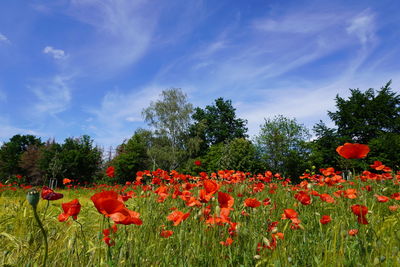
[377, 165]
[350, 193]
[353, 151]
[66, 181]
[289, 214]
[228, 242]
[252, 203]
[107, 202]
[71, 208]
[177, 217]
[381, 198]
[353, 232]
[327, 198]
[110, 204]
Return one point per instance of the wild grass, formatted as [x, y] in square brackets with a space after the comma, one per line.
[195, 243]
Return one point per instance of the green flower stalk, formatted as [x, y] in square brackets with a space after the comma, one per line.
[33, 199]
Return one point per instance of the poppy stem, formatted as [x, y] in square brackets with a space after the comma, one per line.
[83, 234]
[46, 247]
[45, 210]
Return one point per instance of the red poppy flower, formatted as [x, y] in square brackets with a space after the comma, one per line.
[289, 214]
[252, 203]
[303, 197]
[110, 171]
[126, 217]
[325, 219]
[360, 211]
[395, 196]
[197, 162]
[166, 233]
[225, 200]
[377, 165]
[226, 243]
[66, 181]
[49, 194]
[382, 198]
[353, 151]
[71, 208]
[327, 198]
[177, 217]
[107, 202]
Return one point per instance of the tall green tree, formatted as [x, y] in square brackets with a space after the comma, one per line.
[218, 123]
[366, 115]
[80, 159]
[10, 154]
[370, 117]
[169, 118]
[132, 156]
[283, 146]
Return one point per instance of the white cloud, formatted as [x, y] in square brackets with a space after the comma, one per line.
[55, 53]
[8, 130]
[363, 26]
[4, 39]
[53, 95]
[120, 114]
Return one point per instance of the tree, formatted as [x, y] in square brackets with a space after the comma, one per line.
[237, 154]
[79, 159]
[10, 154]
[29, 164]
[170, 119]
[218, 123]
[132, 157]
[365, 116]
[282, 144]
[368, 117]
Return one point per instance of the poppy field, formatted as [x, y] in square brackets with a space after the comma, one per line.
[226, 218]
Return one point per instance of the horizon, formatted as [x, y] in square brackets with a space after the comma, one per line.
[71, 68]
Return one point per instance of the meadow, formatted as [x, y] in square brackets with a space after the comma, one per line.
[228, 218]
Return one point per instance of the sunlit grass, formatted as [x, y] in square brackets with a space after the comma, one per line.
[195, 243]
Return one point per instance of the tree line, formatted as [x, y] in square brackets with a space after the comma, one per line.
[191, 140]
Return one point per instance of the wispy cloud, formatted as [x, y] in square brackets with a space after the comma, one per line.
[55, 53]
[123, 32]
[363, 26]
[120, 113]
[53, 96]
[4, 39]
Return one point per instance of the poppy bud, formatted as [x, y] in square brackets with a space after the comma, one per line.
[33, 197]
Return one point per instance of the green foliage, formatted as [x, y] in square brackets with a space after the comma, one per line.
[76, 159]
[282, 144]
[217, 123]
[170, 118]
[365, 116]
[238, 154]
[10, 155]
[368, 117]
[132, 157]
[80, 159]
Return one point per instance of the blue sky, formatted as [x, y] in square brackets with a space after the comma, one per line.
[74, 67]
